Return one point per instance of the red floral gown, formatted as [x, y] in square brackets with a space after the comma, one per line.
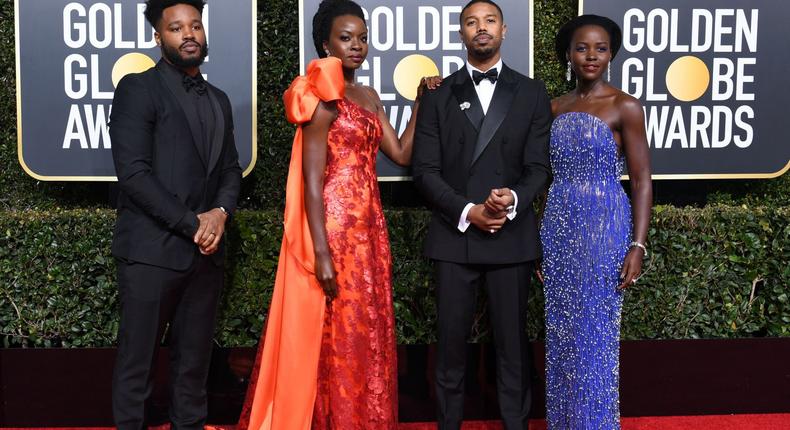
[357, 370]
[330, 367]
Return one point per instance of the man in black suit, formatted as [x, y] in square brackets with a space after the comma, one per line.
[179, 176]
[480, 158]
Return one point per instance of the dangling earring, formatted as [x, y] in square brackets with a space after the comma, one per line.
[568, 72]
[328, 54]
[609, 73]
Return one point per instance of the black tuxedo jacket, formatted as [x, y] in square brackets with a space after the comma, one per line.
[165, 176]
[460, 154]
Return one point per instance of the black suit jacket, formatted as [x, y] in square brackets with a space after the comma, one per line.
[461, 154]
[165, 177]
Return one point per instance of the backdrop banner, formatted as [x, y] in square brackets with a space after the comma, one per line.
[70, 55]
[711, 75]
[409, 39]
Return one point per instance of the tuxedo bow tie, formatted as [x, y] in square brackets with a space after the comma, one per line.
[491, 75]
[197, 83]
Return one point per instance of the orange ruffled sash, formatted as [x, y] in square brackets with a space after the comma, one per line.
[285, 389]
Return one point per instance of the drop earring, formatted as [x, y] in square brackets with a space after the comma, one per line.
[609, 73]
[568, 72]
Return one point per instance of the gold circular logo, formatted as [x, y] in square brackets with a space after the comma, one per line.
[408, 73]
[130, 63]
[687, 78]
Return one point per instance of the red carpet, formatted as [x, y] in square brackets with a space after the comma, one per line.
[707, 422]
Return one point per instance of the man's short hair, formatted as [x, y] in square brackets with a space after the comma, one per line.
[155, 8]
[499, 9]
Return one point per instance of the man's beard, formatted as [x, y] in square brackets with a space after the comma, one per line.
[174, 57]
[484, 53]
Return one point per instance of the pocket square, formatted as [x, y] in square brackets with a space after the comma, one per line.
[464, 105]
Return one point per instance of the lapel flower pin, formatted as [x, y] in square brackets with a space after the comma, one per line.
[464, 105]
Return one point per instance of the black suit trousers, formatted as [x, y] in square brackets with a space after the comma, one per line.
[506, 287]
[152, 298]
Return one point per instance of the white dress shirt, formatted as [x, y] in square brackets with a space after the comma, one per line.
[485, 92]
[485, 89]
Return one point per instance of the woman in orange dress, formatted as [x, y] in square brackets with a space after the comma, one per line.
[329, 356]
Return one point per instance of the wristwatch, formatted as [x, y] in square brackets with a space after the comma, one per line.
[225, 211]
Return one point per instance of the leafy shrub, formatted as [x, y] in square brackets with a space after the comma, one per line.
[716, 272]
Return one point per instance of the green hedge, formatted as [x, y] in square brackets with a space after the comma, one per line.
[716, 272]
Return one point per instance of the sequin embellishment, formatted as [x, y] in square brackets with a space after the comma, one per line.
[585, 234]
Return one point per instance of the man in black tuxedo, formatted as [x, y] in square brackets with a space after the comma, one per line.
[179, 177]
[480, 157]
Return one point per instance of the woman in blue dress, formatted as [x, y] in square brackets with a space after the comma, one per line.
[592, 249]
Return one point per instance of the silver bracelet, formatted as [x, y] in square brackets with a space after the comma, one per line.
[637, 244]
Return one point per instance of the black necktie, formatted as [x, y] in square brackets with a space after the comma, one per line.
[491, 75]
[197, 83]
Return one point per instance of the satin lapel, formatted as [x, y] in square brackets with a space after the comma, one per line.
[464, 91]
[190, 112]
[497, 111]
[219, 130]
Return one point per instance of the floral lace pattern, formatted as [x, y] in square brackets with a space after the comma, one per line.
[357, 370]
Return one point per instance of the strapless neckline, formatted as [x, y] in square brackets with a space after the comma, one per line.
[596, 119]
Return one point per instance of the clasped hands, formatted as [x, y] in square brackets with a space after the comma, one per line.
[491, 215]
[211, 227]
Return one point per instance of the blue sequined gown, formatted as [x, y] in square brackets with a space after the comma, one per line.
[585, 233]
